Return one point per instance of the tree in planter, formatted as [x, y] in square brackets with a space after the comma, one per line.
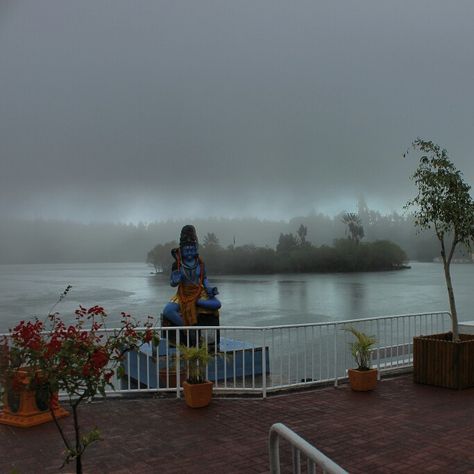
[444, 203]
[361, 348]
[197, 359]
[363, 378]
[197, 390]
[79, 359]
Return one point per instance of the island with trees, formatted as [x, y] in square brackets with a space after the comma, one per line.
[293, 254]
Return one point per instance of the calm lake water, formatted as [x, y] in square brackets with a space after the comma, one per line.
[252, 300]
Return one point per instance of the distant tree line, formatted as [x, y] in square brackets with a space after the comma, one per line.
[53, 241]
[293, 254]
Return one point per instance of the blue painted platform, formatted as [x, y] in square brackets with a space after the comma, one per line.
[235, 359]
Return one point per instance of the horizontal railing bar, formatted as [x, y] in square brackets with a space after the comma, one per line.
[281, 326]
[302, 325]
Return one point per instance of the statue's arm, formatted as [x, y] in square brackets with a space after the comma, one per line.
[175, 277]
[211, 290]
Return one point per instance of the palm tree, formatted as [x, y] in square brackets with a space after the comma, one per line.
[211, 240]
[354, 226]
[302, 233]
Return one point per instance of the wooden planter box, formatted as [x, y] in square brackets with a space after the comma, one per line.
[439, 361]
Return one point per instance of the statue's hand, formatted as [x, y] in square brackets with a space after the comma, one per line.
[212, 291]
[175, 277]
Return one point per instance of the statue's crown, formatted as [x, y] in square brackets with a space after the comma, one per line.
[188, 236]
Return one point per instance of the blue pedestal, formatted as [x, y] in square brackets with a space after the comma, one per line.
[236, 359]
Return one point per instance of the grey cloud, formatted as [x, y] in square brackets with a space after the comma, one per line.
[154, 109]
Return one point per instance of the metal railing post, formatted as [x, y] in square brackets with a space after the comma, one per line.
[274, 450]
[178, 364]
[296, 460]
[378, 349]
[335, 356]
[264, 366]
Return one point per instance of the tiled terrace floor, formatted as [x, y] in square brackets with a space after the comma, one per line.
[401, 427]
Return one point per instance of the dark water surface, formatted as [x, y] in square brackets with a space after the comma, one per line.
[253, 300]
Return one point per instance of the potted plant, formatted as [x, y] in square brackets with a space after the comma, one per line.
[78, 360]
[443, 203]
[197, 390]
[363, 378]
[27, 400]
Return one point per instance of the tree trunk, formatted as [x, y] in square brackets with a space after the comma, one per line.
[78, 441]
[452, 303]
[78, 465]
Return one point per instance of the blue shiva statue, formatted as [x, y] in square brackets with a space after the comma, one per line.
[194, 297]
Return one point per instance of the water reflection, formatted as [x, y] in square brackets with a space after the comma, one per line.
[356, 302]
[293, 296]
[157, 280]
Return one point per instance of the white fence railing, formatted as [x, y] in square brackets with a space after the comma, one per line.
[263, 359]
[314, 457]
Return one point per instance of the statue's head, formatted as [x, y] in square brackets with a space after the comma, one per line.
[188, 242]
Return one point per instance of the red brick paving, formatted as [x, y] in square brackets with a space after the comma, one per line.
[401, 427]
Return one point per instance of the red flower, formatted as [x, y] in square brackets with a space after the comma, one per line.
[99, 358]
[108, 375]
[96, 310]
[86, 370]
[148, 335]
[130, 332]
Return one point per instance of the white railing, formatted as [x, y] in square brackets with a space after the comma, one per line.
[264, 359]
[260, 360]
[314, 457]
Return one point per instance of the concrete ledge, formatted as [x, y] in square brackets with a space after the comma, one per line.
[466, 327]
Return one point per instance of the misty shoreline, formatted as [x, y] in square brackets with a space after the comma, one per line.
[54, 241]
[165, 274]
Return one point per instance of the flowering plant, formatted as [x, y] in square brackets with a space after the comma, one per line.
[79, 359]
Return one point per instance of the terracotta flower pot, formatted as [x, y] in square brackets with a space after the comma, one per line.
[362, 380]
[25, 407]
[197, 395]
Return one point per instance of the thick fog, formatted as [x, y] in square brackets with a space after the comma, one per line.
[148, 110]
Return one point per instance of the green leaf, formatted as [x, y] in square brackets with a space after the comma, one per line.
[120, 371]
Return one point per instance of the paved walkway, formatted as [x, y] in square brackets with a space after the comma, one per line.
[401, 427]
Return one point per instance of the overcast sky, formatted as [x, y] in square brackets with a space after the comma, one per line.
[144, 110]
